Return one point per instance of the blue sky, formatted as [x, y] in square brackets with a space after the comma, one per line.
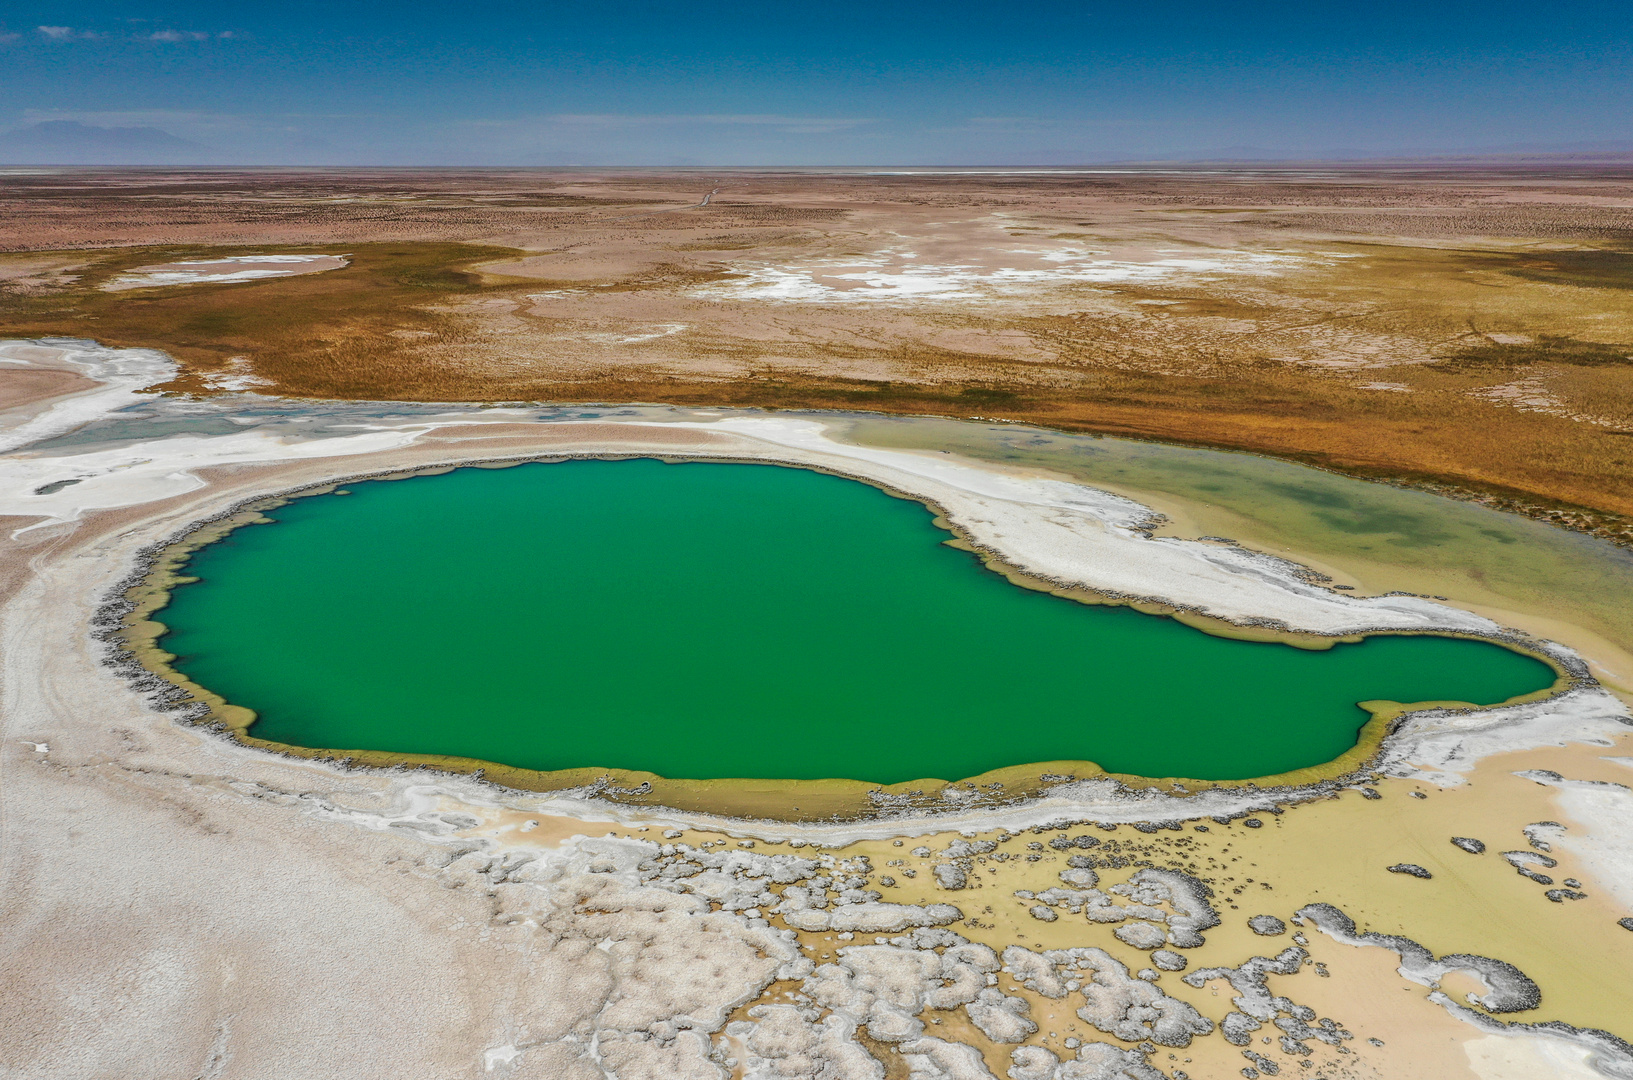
[831, 83]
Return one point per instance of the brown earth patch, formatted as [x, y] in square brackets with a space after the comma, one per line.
[1461, 329]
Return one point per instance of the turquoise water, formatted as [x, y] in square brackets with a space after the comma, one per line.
[730, 620]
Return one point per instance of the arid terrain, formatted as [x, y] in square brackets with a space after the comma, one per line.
[1452, 898]
[1465, 329]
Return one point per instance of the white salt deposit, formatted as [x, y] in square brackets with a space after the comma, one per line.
[237, 268]
[1442, 747]
[1600, 829]
[123, 373]
[898, 279]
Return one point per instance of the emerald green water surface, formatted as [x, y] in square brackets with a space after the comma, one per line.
[729, 620]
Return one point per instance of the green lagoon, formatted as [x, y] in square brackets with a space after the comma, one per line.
[710, 620]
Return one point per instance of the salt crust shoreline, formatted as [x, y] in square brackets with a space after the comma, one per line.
[1052, 530]
[1058, 532]
[1583, 712]
[123, 373]
[81, 746]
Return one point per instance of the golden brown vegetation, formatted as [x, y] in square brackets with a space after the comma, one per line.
[1471, 331]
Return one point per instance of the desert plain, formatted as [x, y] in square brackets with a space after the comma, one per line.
[181, 901]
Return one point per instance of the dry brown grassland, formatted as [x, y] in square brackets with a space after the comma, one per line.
[1470, 330]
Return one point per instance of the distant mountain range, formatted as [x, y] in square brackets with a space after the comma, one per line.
[68, 142]
[1610, 152]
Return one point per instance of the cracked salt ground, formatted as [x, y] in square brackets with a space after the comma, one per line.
[681, 934]
[1146, 888]
[649, 959]
[879, 997]
[652, 946]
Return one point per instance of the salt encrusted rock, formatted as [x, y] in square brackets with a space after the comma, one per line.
[1121, 1005]
[1508, 988]
[1523, 860]
[1168, 960]
[873, 918]
[1256, 1006]
[1410, 868]
[1238, 1028]
[920, 852]
[782, 1043]
[1075, 900]
[965, 967]
[1032, 1063]
[1035, 971]
[1469, 844]
[1253, 823]
[1625, 923]
[1542, 835]
[928, 937]
[1001, 1018]
[1188, 896]
[1102, 1061]
[1265, 1065]
[1042, 913]
[1266, 925]
[936, 1059]
[1141, 935]
[1080, 878]
[951, 876]
[964, 849]
[886, 987]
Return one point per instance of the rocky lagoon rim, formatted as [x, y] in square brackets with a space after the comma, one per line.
[1016, 778]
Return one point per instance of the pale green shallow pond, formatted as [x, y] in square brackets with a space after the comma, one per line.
[1402, 538]
[733, 620]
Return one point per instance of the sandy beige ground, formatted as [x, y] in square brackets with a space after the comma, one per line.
[25, 387]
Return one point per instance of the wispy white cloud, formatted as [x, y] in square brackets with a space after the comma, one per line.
[191, 35]
[7, 39]
[69, 33]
